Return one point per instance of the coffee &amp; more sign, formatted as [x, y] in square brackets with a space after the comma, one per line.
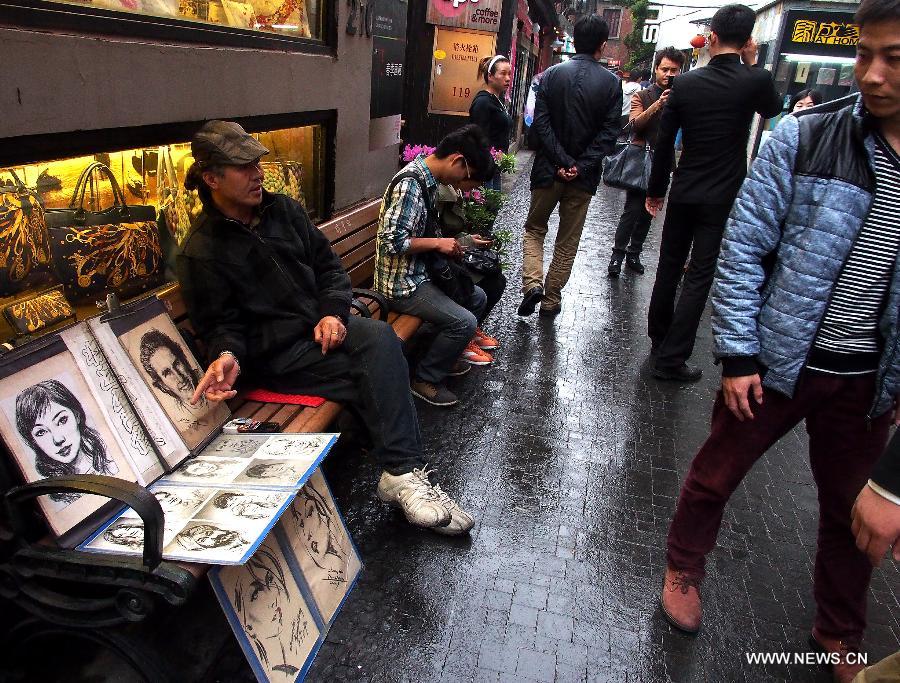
[480, 15]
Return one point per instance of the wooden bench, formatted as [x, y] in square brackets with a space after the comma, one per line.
[99, 598]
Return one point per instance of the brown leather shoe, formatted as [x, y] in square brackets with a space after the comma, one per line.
[680, 600]
[843, 670]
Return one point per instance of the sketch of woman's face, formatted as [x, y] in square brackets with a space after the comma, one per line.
[315, 525]
[57, 433]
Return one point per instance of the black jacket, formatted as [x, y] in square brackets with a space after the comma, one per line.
[887, 470]
[713, 106]
[491, 116]
[260, 292]
[577, 111]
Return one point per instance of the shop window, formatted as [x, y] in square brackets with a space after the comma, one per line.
[613, 17]
[304, 25]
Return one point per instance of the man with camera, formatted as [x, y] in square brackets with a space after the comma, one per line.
[713, 107]
[646, 110]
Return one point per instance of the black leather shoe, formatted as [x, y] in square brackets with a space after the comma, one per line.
[633, 262]
[550, 311]
[615, 266]
[683, 373]
[530, 300]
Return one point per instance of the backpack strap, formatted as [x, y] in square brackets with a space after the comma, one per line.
[430, 229]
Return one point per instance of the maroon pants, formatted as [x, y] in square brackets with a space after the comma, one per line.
[843, 448]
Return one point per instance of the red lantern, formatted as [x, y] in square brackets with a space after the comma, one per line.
[698, 41]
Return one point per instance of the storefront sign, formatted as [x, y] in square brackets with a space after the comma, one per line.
[454, 69]
[388, 60]
[825, 34]
[481, 15]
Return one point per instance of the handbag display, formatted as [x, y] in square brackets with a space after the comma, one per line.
[629, 168]
[172, 198]
[24, 243]
[116, 250]
[37, 312]
[239, 14]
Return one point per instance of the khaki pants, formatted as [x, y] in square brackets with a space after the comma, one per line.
[885, 671]
[573, 206]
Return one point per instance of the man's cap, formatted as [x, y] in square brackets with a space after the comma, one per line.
[225, 142]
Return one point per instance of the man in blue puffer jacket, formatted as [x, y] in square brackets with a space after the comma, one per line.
[806, 305]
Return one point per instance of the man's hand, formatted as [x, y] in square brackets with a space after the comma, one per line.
[661, 102]
[567, 174]
[653, 205]
[448, 247]
[737, 391]
[748, 52]
[330, 333]
[876, 525]
[481, 242]
[217, 382]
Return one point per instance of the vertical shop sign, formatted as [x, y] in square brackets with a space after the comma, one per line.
[454, 69]
[481, 15]
[388, 20]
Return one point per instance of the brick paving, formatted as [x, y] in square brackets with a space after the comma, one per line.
[572, 458]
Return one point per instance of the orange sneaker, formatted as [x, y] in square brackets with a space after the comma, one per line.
[475, 356]
[485, 342]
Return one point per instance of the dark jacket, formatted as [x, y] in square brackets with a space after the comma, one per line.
[577, 110]
[713, 106]
[491, 116]
[887, 470]
[260, 292]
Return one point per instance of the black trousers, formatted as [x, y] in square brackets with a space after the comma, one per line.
[694, 229]
[368, 373]
[633, 225]
[493, 286]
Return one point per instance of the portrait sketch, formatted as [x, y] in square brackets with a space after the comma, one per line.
[125, 536]
[268, 614]
[177, 502]
[170, 370]
[273, 472]
[321, 543]
[242, 506]
[296, 446]
[53, 425]
[207, 541]
[236, 445]
[207, 471]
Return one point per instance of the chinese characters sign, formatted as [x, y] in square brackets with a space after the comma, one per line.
[481, 15]
[454, 69]
[388, 59]
[829, 34]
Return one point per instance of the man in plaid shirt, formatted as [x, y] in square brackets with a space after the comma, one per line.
[462, 160]
[265, 291]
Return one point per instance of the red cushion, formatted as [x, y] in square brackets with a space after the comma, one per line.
[266, 396]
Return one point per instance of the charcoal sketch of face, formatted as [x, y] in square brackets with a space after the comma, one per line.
[175, 501]
[200, 537]
[321, 532]
[248, 506]
[272, 613]
[282, 471]
[127, 534]
[52, 421]
[166, 363]
[201, 469]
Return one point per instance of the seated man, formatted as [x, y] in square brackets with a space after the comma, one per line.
[267, 294]
[463, 160]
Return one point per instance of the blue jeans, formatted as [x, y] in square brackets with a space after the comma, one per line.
[455, 325]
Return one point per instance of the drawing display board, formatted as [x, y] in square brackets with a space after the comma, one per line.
[53, 425]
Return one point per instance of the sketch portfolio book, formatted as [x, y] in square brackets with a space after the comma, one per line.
[220, 506]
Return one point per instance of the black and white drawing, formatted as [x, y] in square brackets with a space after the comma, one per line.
[236, 445]
[296, 446]
[268, 614]
[321, 543]
[207, 471]
[273, 472]
[125, 535]
[177, 502]
[243, 505]
[210, 540]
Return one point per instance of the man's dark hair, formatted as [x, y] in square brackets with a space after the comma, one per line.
[634, 76]
[875, 11]
[193, 179]
[590, 33]
[150, 343]
[471, 142]
[733, 24]
[671, 54]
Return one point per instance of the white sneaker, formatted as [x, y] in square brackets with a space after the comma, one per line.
[460, 520]
[413, 493]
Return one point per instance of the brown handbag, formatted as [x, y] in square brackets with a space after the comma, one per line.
[284, 177]
[116, 250]
[24, 243]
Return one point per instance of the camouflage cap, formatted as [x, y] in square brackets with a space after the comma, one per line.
[225, 142]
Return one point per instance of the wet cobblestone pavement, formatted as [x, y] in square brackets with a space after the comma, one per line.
[572, 457]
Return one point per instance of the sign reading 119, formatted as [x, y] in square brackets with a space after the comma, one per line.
[461, 92]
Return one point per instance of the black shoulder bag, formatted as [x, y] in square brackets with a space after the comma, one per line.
[448, 276]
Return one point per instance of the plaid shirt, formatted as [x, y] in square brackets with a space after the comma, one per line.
[403, 216]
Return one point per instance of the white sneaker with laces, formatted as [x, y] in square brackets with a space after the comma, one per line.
[413, 493]
[461, 521]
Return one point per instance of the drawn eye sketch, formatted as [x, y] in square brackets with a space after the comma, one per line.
[277, 631]
[204, 537]
[53, 424]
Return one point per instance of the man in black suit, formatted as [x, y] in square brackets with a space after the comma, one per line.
[713, 106]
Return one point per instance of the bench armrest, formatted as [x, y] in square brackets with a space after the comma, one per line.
[383, 306]
[135, 496]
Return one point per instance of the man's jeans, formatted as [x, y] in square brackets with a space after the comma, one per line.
[455, 327]
[573, 207]
[368, 372]
[633, 225]
[843, 448]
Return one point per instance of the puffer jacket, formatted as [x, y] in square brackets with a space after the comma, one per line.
[804, 202]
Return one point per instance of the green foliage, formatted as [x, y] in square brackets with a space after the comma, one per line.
[507, 163]
[634, 41]
[481, 209]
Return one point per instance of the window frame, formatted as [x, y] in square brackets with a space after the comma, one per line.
[618, 31]
[85, 19]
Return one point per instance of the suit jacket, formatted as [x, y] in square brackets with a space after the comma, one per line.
[713, 106]
[577, 110]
